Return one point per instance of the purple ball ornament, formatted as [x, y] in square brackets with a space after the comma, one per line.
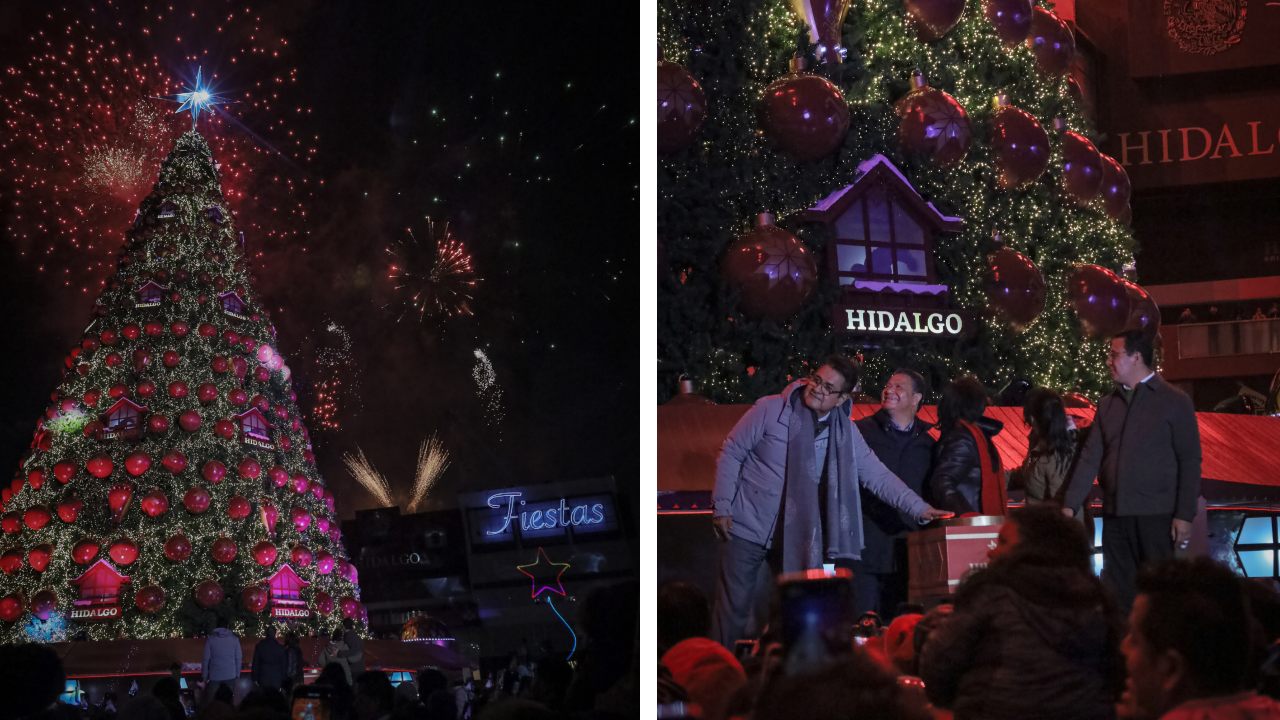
[804, 115]
[1081, 166]
[1020, 146]
[1011, 19]
[1051, 43]
[1100, 300]
[1115, 190]
[1014, 287]
[772, 270]
[682, 106]
[934, 18]
[1144, 314]
[932, 124]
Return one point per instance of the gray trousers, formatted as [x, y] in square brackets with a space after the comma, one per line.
[738, 587]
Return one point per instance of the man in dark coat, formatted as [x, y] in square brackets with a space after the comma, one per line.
[900, 439]
[1144, 448]
[270, 662]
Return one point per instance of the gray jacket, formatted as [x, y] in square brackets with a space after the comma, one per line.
[222, 656]
[1145, 454]
[751, 470]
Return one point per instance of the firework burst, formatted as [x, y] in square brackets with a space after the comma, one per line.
[368, 477]
[433, 460]
[435, 279]
[334, 376]
[488, 391]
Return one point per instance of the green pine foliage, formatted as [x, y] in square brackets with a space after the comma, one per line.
[196, 256]
[710, 193]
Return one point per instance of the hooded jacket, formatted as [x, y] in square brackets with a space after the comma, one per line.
[222, 656]
[956, 481]
[751, 471]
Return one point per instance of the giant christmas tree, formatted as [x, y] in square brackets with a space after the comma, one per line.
[741, 311]
[171, 479]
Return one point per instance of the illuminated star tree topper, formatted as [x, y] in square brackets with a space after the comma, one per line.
[200, 97]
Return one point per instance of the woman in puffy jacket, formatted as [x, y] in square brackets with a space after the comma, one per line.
[967, 476]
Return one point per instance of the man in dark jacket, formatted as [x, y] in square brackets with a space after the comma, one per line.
[270, 662]
[1144, 448]
[901, 440]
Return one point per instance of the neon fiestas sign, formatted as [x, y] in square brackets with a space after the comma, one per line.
[542, 517]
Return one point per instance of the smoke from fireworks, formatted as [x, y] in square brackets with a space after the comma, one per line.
[433, 460]
[84, 131]
[432, 279]
[368, 477]
[488, 391]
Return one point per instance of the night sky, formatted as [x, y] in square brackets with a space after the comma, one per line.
[520, 127]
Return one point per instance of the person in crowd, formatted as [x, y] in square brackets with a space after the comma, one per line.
[1144, 448]
[334, 675]
[796, 454]
[374, 696]
[1214, 315]
[1273, 312]
[31, 681]
[1186, 651]
[1034, 634]
[270, 661]
[295, 665]
[852, 688]
[683, 612]
[967, 476]
[709, 673]
[336, 652]
[464, 694]
[1051, 451]
[222, 659]
[607, 680]
[168, 692]
[355, 646]
[900, 439]
[264, 703]
[220, 707]
[1187, 316]
[1258, 314]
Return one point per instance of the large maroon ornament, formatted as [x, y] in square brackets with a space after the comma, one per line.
[137, 463]
[153, 329]
[238, 507]
[85, 551]
[131, 331]
[155, 503]
[301, 556]
[124, 551]
[772, 270]
[189, 420]
[44, 603]
[1144, 314]
[279, 476]
[324, 603]
[300, 518]
[208, 594]
[39, 556]
[254, 598]
[118, 499]
[934, 18]
[174, 461]
[149, 599]
[146, 388]
[1051, 42]
[69, 508]
[207, 330]
[177, 548]
[1099, 299]
[805, 115]
[324, 563]
[300, 483]
[249, 469]
[158, 424]
[11, 608]
[350, 607]
[932, 124]
[213, 471]
[224, 429]
[1020, 146]
[223, 550]
[1115, 189]
[99, 466]
[207, 393]
[1082, 173]
[11, 561]
[177, 389]
[179, 329]
[264, 553]
[35, 479]
[36, 517]
[196, 500]
[141, 360]
[682, 107]
[1010, 18]
[171, 358]
[64, 471]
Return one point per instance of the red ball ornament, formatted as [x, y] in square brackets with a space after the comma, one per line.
[805, 115]
[1115, 189]
[36, 517]
[174, 461]
[153, 329]
[179, 329]
[117, 391]
[208, 594]
[11, 523]
[238, 508]
[240, 367]
[231, 337]
[10, 608]
[301, 556]
[85, 551]
[284, 442]
[137, 463]
[131, 331]
[934, 18]
[91, 398]
[177, 389]
[682, 106]
[196, 500]
[300, 518]
[254, 598]
[189, 421]
[300, 483]
[118, 499]
[99, 466]
[1020, 146]
[219, 364]
[772, 270]
[170, 358]
[149, 599]
[350, 607]
[92, 429]
[108, 337]
[264, 553]
[1011, 19]
[323, 603]
[141, 359]
[324, 563]
[146, 388]
[237, 397]
[1144, 314]
[317, 489]
[69, 509]
[44, 603]
[64, 472]
[1081, 168]
[158, 424]
[933, 124]
[35, 479]
[155, 503]
[261, 374]
[1051, 42]
[322, 524]
[124, 551]
[261, 403]
[213, 471]
[1015, 288]
[11, 561]
[177, 548]
[207, 393]
[39, 556]
[207, 330]
[279, 476]
[224, 429]
[247, 344]
[1099, 299]
[223, 550]
[89, 344]
[249, 469]
[113, 359]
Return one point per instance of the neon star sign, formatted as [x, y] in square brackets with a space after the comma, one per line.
[544, 575]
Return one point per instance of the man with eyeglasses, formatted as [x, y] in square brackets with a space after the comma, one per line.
[787, 489]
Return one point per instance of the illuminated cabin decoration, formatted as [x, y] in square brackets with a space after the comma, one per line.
[232, 304]
[254, 429]
[151, 294]
[285, 589]
[122, 421]
[99, 588]
[168, 211]
[215, 214]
